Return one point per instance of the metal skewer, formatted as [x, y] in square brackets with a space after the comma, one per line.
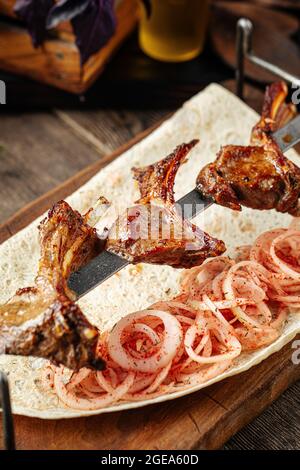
[244, 50]
[106, 263]
[7, 419]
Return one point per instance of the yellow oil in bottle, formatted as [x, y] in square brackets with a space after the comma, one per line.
[175, 30]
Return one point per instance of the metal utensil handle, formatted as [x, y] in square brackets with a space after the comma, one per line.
[7, 419]
[244, 51]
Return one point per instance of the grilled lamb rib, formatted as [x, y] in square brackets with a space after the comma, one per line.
[154, 231]
[259, 175]
[44, 320]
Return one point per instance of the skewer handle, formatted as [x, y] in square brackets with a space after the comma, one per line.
[244, 50]
[7, 419]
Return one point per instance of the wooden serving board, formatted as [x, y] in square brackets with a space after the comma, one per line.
[57, 61]
[202, 420]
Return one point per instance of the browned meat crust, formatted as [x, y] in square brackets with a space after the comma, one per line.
[154, 231]
[156, 181]
[43, 320]
[258, 176]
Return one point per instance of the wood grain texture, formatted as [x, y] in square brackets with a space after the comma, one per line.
[27, 170]
[277, 428]
[108, 129]
[43, 154]
[204, 420]
[274, 19]
[271, 37]
[57, 61]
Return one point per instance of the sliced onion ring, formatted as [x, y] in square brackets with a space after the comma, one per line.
[79, 403]
[166, 352]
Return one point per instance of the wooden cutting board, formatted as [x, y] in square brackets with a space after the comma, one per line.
[202, 420]
[57, 61]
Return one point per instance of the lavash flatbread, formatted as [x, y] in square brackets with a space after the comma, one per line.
[216, 117]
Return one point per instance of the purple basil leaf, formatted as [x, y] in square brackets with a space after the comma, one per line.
[65, 10]
[94, 27]
[34, 14]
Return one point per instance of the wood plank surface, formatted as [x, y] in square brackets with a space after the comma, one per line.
[28, 171]
[272, 37]
[204, 420]
[57, 61]
[37, 152]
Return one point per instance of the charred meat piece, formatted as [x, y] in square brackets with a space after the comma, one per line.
[154, 230]
[259, 175]
[43, 320]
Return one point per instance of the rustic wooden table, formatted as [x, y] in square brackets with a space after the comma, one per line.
[40, 150]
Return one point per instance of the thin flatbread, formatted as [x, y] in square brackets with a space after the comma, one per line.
[216, 117]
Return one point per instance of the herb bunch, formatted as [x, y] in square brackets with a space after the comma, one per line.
[93, 21]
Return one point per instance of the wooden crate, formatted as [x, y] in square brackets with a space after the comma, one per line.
[57, 61]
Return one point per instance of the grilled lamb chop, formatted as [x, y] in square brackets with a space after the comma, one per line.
[154, 231]
[259, 175]
[43, 320]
